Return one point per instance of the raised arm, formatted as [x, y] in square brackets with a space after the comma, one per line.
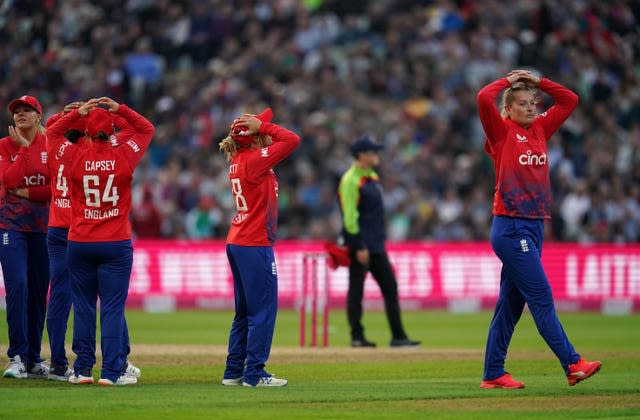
[491, 120]
[565, 102]
[137, 136]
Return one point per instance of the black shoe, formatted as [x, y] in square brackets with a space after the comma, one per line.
[404, 342]
[363, 342]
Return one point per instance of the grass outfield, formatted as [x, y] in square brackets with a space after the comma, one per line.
[182, 359]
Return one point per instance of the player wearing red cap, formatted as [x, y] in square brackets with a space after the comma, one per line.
[254, 146]
[24, 208]
[57, 235]
[100, 253]
[517, 142]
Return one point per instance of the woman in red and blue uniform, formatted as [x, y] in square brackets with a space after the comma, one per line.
[517, 143]
[24, 210]
[57, 236]
[254, 146]
[99, 249]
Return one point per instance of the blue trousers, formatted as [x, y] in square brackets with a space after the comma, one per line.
[255, 284]
[60, 297]
[99, 270]
[518, 244]
[25, 268]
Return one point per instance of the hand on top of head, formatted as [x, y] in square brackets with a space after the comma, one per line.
[112, 106]
[525, 76]
[71, 106]
[245, 125]
[85, 107]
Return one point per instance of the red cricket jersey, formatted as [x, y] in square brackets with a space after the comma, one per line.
[255, 188]
[100, 177]
[24, 167]
[60, 207]
[520, 154]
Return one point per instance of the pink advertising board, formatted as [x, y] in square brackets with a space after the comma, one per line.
[463, 276]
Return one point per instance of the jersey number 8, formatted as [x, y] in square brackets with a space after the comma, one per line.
[236, 188]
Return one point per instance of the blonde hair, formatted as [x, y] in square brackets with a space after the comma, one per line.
[509, 93]
[230, 147]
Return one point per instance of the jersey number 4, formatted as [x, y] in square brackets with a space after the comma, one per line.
[93, 198]
[61, 182]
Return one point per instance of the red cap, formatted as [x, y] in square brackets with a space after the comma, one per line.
[265, 116]
[80, 124]
[338, 255]
[99, 120]
[27, 100]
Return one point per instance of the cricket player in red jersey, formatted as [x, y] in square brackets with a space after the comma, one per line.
[254, 146]
[59, 305]
[100, 253]
[24, 208]
[517, 142]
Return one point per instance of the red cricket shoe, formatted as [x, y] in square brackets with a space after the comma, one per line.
[581, 370]
[505, 381]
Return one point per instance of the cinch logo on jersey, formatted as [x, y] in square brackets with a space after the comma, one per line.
[62, 148]
[35, 180]
[529, 158]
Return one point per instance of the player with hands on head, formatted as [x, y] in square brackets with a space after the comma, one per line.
[253, 148]
[24, 208]
[57, 236]
[99, 249]
[516, 141]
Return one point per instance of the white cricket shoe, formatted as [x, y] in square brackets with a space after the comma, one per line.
[60, 373]
[39, 371]
[122, 380]
[132, 370]
[80, 379]
[268, 381]
[232, 381]
[15, 369]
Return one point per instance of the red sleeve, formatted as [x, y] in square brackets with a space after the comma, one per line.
[53, 118]
[41, 193]
[142, 133]
[284, 142]
[491, 120]
[57, 129]
[13, 172]
[565, 102]
[125, 130]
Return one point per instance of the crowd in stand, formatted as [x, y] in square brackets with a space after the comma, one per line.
[404, 72]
